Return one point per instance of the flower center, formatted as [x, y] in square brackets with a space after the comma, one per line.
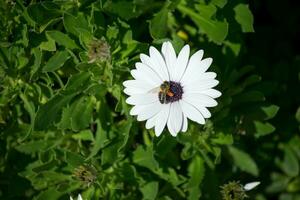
[170, 91]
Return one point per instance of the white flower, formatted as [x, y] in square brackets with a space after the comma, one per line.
[169, 89]
[250, 186]
[78, 198]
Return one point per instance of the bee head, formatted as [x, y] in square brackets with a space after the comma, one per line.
[165, 85]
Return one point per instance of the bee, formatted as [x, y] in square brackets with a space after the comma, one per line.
[163, 92]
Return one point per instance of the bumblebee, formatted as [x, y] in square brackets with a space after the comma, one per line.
[165, 93]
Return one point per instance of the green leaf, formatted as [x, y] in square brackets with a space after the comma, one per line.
[244, 17]
[219, 3]
[150, 190]
[243, 161]
[77, 83]
[270, 111]
[49, 194]
[43, 13]
[124, 9]
[35, 146]
[101, 140]
[37, 61]
[290, 164]
[84, 135]
[47, 113]
[223, 139]
[78, 116]
[159, 20]
[56, 61]
[73, 159]
[144, 156]
[298, 114]
[196, 172]
[48, 45]
[263, 128]
[75, 25]
[215, 29]
[113, 151]
[62, 39]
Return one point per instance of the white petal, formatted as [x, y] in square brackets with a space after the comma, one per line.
[149, 111]
[212, 93]
[191, 112]
[135, 110]
[205, 64]
[159, 61]
[153, 65]
[184, 123]
[196, 76]
[250, 186]
[170, 57]
[175, 118]
[79, 197]
[199, 86]
[181, 63]
[199, 105]
[137, 84]
[200, 99]
[133, 73]
[151, 122]
[147, 74]
[193, 64]
[71, 198]
[195, 70]
[162, 119]
[133, 91]
[142, 99]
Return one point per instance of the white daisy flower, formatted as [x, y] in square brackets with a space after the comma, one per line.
[78, 198]
[169, 89]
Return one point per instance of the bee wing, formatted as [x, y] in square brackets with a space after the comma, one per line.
[154, 90]
[250, 186]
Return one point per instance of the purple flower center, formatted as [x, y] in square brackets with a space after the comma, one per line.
[170, 91]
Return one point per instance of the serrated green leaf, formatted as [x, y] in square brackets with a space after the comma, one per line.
[219, 3]
[196, 171]
[37, 61]
[223, 139]
[56, 61]
[47, 113]
[101, 140]
[75, 25]
[244, 17]
[77, 83]
[73, 159]
[34, 146]
[263, 128]
[81, 113]
[290, 164]
[49, 194]
[243, 161]
[298, 114]
[215, 29]
[62, 39]
[124, 9]
[43, 13]
[144, 156]
[150, 190]
[84, 135]
[48, 45]
[159, 20]
[270, 111]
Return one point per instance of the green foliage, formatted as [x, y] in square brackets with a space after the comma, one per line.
[65, 128]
